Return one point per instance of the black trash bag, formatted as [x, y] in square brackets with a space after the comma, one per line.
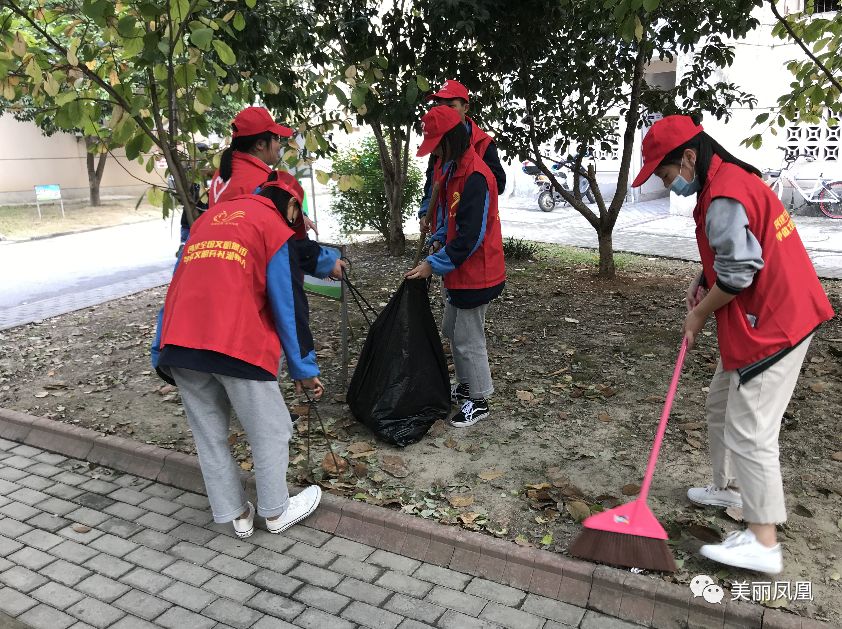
[401, 386]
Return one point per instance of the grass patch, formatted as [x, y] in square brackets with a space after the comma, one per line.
[21, 222]
[519, 249]
[576, 256]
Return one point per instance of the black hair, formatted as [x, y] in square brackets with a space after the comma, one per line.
[244, 144]
[279, 197]
[454, 143]
[706, 147]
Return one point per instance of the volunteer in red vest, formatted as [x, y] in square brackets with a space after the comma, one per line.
[455, 95]
[236, 301]
[256, 145]
[759, 282]
[470, 260]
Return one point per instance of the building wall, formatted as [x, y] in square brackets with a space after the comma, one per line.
[28, 158]
[760, 68]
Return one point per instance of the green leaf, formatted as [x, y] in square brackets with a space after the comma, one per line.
[134, 146]
[126, 26]
[64, 98]
[239, 21]
[650, 5]
[251, 3]
[358, 95]
[322, 177]
[423, 83]
[311, 143]
[638, 28]
[33, 71]
[762, 118]
[411, 93]
[202, 38]
[155, 196]
[226, 55]
[547, 539]
[133, 46]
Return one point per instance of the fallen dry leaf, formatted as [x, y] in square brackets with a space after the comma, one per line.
[468, 518]
[803, 511]
[246, 465]
[604, 417]
[694, 443]
[302, 410]
[525, 396]
[359, 468]
[298, 458]
[492, 474]
[735, 513]
[692, 426]
[818, 387]
[394, 465]
[578, 510]
[438, 428]
[334, 465]
[360, 449]
[339, 398]
[81, 528]
[836, 456]
[704, 533]
[632, 489]
[571, 320]
[457, 501]
[41, 394]
[540, 486]
[450, 442]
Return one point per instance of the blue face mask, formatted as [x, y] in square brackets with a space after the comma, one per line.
[684, 188]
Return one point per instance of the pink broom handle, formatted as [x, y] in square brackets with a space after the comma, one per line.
[662, 427]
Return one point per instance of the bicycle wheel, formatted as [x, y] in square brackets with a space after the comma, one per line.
[830, 199]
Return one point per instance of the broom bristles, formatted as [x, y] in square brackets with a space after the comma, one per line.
[618, 549]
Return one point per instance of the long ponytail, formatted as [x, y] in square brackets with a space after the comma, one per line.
[244, 144]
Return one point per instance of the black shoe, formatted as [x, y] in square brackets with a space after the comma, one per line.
[459, 392]
[472, 411]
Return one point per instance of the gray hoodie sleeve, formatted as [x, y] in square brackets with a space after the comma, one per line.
[737, 252]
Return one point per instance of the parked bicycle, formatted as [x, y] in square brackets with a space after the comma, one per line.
[826, 193]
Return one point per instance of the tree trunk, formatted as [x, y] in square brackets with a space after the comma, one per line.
[606, 252]
[394, 176]
[95, 170]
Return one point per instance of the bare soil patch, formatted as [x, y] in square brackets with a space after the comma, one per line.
[581, 367]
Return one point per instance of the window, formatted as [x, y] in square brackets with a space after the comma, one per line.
[818, 141]
[826, 6]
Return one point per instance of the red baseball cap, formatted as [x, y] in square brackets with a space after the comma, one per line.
[451, 89]
[434, 124]
[285, 181]
[255, 120]
[665, 136]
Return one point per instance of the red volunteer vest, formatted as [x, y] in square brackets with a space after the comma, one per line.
[786, 297]
[247, 173]
[217, 298]
[486, 267]
[479, 140]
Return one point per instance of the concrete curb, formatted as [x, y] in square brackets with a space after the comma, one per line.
[647, 601]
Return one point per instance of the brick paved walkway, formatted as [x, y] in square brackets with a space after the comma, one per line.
[82, 546]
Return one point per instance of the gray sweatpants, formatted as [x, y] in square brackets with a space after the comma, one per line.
[466, 330]
[208, 399]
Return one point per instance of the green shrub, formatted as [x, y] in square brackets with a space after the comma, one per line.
[518, 249]
[366, 207]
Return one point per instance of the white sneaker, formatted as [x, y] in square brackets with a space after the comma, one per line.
[713, 496]
[742, 550]
[244, 527]
[299, 507]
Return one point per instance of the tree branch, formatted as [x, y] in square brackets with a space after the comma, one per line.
[785, 23]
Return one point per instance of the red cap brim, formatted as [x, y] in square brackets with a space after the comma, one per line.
[281, 130]
[644, 174]
[446, 95]
[428, 145]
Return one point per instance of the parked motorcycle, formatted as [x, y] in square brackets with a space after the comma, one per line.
[548, 197]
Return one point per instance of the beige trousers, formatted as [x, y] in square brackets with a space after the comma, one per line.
[744, 422]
